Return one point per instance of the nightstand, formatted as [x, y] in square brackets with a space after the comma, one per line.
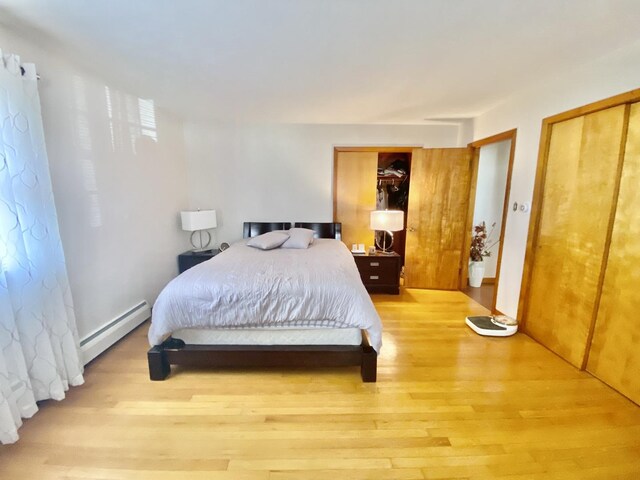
[190, 259]
[380, 273]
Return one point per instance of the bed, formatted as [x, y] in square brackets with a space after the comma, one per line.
[278, 308]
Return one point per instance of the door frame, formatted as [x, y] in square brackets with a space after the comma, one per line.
[538, 193]
[475, 161]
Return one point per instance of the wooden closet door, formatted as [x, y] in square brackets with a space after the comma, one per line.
[577, 199]
[615, 350]
[436, 217]
[356, 176]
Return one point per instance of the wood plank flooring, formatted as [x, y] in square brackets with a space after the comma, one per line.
[448, 404]
[483, 294]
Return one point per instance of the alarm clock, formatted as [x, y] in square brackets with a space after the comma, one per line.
[223, 246]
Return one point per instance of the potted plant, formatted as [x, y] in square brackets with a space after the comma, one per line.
[479, 250]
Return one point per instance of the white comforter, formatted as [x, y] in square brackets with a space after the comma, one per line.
[244, 287]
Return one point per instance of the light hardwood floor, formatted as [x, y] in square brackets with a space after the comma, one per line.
[448, 404]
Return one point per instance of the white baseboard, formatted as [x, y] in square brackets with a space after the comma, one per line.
[102, 338]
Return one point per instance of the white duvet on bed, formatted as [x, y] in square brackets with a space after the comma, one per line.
[244, 287]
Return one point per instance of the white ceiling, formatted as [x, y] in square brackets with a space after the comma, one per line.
[329, 61]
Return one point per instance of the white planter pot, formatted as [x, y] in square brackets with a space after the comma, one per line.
[476, 273]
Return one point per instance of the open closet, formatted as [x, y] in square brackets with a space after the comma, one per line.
[392, 193]
[430, 185]
[579, 294]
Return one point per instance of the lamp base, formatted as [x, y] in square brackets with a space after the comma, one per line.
[381, 237]
[203, 246]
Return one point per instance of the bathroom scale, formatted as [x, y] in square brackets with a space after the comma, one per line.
[493, 326]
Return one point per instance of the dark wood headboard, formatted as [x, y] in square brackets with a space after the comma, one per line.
[253, 229]
[323, 230]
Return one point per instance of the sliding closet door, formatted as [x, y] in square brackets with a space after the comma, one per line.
[355, 175]
[577, 200]
[436, 217]
[615, 350]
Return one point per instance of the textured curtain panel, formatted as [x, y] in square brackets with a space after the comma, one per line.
[39, 353]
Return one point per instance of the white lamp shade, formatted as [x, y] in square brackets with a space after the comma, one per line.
[200, 220]
[389, 220]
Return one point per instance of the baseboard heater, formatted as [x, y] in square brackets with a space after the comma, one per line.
[102, 338]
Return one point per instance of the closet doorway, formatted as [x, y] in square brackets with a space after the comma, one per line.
[367, 179]
[488, 203]
[431, 185]
[392, 193]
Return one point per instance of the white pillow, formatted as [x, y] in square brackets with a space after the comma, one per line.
[299, 238]
[268, 241]
[287, 232]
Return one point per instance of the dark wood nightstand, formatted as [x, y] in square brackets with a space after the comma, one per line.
[190, 259]
[380, 273]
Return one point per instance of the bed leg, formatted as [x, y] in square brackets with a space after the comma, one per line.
[159, 367]
[369, 367]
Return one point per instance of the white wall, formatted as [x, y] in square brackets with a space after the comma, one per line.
[117, 194]
[283, 172]
[493, 166]
[117, 203]
[616, 73]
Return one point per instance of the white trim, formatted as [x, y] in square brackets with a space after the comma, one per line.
[102, 338]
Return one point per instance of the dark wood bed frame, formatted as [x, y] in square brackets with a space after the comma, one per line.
[176, 352]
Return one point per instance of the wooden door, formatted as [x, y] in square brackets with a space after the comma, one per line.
[437, 217]
[578, 193]
[615, 350]
[355, 176]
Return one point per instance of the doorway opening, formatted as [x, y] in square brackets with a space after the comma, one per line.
[392, 192]
[488, 205]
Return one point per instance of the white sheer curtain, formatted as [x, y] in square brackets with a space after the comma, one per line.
[39, 354]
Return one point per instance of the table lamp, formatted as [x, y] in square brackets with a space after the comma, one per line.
[387, 221]
[198, 222]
